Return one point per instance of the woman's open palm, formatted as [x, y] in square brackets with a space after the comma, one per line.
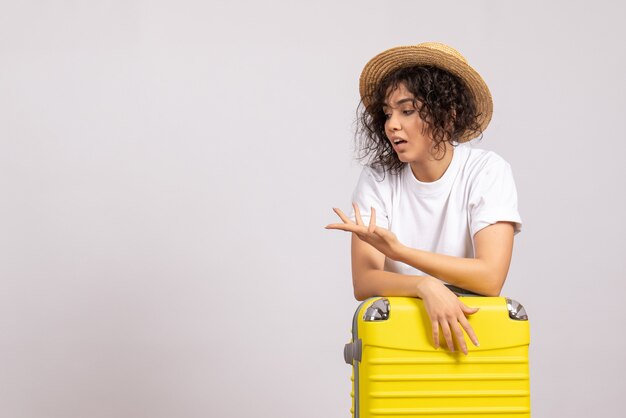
[380, 238]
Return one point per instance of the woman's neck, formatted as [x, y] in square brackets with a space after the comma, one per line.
[433, 169]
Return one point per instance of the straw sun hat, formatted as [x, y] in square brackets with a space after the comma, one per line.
[434, 54]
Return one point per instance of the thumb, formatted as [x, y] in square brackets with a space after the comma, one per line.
[468, 310]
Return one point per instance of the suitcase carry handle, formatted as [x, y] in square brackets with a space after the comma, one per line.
[461, 292]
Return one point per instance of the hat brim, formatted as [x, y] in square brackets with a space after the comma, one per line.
[436, 55]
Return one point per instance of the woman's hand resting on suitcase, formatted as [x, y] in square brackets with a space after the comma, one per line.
[447, 313]
[378, 237]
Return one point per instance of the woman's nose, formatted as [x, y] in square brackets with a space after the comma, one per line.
[393, 123]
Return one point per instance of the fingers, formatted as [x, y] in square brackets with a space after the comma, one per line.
[445, 330]
[465, 323]
[372, 225]
[435, 328]
[347, 224]
[447, 335]
[469, 331]
[342, 215]
[357, 214]
[452, 329]
[344, 227]
[468, 310]
[459, 337]
[357, 217]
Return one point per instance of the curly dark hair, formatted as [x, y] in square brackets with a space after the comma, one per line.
[442, 101]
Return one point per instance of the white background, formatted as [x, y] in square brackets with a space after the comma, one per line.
[166, 170]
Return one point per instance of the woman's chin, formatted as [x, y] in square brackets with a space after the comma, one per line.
[404, 157]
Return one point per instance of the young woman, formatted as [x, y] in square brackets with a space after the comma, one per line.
[429, 208]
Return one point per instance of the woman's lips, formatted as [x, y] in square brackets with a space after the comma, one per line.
[399, 144]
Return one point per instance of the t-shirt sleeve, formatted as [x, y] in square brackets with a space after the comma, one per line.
[493, 197]
[372, 190]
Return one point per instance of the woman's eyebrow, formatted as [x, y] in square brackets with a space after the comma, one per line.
[399, 102]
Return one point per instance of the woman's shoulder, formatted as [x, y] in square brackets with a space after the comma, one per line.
[382, 175]
[479, 159]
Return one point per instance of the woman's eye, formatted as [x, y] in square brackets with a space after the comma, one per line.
[387, 115]
[408, 112]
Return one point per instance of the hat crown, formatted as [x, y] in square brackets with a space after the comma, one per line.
[443, 48]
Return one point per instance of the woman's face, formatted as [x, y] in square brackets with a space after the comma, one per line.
[405, 129]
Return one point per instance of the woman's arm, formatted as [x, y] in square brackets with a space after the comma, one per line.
[369, 278]
[446, 312]
[484, 274]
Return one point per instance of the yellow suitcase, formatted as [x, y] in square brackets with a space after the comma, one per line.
[398, 373]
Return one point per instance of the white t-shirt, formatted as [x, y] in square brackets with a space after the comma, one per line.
[443, 216]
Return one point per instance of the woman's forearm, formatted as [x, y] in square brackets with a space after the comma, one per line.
[472, 274]
[373, 282]
[484, 274]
